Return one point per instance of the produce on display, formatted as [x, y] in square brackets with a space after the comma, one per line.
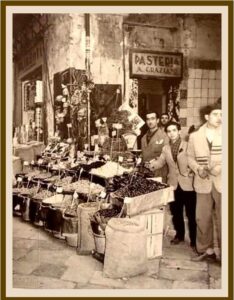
[120, 117]
[32, 191]
[42, 176]
[101, 218]
[139, 185]
[84, 187]
[43, 194]
[62, 182]
[110, 169]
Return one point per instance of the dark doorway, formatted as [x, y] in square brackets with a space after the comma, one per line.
[152, 97]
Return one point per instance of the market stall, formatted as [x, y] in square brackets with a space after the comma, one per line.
[91, 196]
[75, 196]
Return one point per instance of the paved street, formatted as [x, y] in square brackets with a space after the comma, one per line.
[42, 261]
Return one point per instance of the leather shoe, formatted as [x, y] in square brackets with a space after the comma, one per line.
[204, 257]
[194, 249]
[176, 241]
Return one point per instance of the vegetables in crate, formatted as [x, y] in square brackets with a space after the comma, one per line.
[137, 186]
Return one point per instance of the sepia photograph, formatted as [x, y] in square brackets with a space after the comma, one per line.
[117, 151]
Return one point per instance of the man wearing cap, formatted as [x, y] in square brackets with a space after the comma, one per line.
[205, 159]
[152, 143]
[180, 177]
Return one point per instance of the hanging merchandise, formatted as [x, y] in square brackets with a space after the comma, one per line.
[72, 106]
[173, 106]
[38, 121]
[38, 95]
[105, 100]
[103, 131]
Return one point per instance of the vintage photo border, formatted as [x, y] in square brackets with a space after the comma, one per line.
[4, 119]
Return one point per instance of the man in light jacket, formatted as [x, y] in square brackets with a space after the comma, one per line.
[181, 178]
[153, 141]
[204, 158]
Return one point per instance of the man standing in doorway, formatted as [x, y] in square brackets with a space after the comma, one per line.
[153, 141]
[181, 178]
[164, 119]
[205, 159]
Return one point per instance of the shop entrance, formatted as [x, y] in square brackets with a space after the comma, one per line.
[152, 96]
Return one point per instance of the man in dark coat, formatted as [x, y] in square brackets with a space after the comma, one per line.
[152, 143]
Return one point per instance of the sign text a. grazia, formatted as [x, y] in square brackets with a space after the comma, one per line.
[155, 64]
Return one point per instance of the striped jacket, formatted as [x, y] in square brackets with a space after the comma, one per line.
[200, 154]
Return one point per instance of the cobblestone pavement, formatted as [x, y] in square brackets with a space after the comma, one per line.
[42, 261]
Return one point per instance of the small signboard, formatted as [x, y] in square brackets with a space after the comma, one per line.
[154, 64]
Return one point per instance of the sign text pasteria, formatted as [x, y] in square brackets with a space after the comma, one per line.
[156, 64]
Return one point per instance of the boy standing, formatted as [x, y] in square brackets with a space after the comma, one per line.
[180, 177]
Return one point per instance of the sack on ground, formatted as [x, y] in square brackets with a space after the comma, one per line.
[125, 254]
[85, 234]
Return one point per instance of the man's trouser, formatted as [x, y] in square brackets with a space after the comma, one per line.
[207, 204]
[187, 199]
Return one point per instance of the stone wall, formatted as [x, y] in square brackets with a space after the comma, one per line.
[198, 37]
[106, 48]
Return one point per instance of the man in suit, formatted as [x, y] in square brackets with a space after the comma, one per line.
[153, 141]
[181, 178]
[205, 159]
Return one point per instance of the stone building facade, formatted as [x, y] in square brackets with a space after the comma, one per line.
[53, 43]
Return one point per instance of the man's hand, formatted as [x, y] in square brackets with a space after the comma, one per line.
[203, 172]
[216, 170]
[150, 165]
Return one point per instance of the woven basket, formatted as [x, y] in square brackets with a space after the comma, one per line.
[70, 224]
[100, 243]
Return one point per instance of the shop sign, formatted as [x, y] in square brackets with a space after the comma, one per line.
[155, 64]
[31, 58]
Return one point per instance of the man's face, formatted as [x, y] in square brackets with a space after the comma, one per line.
[151, 121]
[214, 119]
[164, 119]
[173, 132]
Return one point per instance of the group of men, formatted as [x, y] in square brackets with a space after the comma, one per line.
[193, 168]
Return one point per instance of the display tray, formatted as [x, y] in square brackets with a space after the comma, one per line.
[139, 204]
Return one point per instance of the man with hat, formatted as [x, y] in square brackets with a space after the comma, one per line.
[153, 141]
[205, 159]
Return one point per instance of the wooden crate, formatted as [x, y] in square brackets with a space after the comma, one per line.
[153, 223]
[147, 202]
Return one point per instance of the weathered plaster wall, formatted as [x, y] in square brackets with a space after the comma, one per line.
[106, 48]
[57, 45]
